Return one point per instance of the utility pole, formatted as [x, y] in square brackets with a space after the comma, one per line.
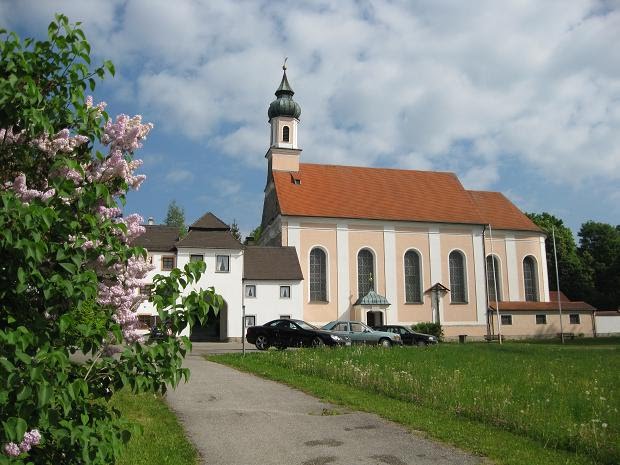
[557, 282]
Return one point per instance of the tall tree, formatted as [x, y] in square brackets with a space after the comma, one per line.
[599, 248]
[575, 276]
[176, 216]
[234, 230]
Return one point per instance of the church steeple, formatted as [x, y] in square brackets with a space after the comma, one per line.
[284, 112]
[284, 105]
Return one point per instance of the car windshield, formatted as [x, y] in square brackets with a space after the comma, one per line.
[305, 325]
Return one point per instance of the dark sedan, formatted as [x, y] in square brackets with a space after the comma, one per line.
[408, 336]
[292, 333]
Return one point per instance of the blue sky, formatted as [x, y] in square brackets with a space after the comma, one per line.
[517, 96]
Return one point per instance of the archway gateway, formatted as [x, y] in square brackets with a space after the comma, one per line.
[214, 329]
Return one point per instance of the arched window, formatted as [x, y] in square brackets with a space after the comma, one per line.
[413, 277]
[493, 279]
[529, 279]
[458, 282]
[365, 269]
[318, 276]
[285, 133]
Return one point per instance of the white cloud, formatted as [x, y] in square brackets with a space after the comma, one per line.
[179, 176]
[397, 83]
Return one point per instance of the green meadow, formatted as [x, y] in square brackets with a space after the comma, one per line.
[516, 403]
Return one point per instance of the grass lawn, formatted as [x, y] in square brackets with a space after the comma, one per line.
[518, 403]
[162, 441]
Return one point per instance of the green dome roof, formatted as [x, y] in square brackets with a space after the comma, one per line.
[284, 105]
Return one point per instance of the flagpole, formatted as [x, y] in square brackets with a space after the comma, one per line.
[557, 282]
[499, 320]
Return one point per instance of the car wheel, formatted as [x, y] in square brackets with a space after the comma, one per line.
[262, 342]
[385, 343]
[421, 343]
[317, 342]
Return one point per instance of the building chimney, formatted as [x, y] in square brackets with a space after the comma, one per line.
[151, 221]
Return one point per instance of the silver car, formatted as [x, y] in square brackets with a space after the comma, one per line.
[363, 334]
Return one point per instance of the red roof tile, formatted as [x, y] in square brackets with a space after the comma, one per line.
[501, 213]
[542, 306]
[391, 194]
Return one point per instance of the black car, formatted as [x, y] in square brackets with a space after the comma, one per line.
[408, 336]
[292, 333]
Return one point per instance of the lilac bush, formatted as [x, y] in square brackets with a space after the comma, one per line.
[67, 252]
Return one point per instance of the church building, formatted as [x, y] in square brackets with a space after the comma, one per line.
[377, 245]
[392, 246]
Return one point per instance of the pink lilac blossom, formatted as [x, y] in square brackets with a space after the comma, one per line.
[120, 292]
[125, 133]
[31, 438]
[26, 195]
[11, 449]
[116, 166]
[7, 136]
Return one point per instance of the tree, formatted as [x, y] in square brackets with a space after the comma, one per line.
[599, 247]
[256, 233]
[234, 230]
[575, 276]
[70, 275]
[176, 217]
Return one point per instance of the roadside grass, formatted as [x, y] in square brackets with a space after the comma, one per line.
[162, 441]
[517, 403]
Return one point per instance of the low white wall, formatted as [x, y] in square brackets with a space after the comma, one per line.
[608, 324]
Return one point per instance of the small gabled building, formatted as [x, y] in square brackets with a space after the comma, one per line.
[209, 239]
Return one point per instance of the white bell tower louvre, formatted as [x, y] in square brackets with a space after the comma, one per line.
[284, 112]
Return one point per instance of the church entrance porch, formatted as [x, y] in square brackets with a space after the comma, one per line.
[374, 318]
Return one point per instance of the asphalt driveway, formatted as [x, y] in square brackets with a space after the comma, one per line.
[235, 418]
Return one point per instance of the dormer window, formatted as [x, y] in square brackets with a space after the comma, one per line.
[285, 134]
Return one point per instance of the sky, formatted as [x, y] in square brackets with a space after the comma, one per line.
[517, 96]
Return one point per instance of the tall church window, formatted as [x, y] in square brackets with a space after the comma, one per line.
[318, 275]
[285, 134]
[529, 279]
[365, 269]
[413, 277]
[493, 279]
[458, 282]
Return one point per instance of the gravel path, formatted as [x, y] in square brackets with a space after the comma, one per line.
[235, 418]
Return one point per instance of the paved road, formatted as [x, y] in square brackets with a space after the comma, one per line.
[239, 419]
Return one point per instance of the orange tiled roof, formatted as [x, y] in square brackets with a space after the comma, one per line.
[542, 306]
[500, 212]
[390, 194]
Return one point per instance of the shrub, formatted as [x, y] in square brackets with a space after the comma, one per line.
[427, 327]
[69, 276]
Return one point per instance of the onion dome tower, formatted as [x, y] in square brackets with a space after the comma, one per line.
[284, 115]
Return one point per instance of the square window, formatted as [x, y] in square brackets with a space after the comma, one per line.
[285, 317]
[196, 258]
[250, 290]
[147, 289]
[506, 320]
[285, 292]
[167, 263]
[250, 320]
[222, 264]
[541, 319]
[574, 318]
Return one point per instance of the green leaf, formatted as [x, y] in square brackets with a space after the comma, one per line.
[43, 395]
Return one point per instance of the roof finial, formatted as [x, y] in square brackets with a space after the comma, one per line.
[284, 65]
